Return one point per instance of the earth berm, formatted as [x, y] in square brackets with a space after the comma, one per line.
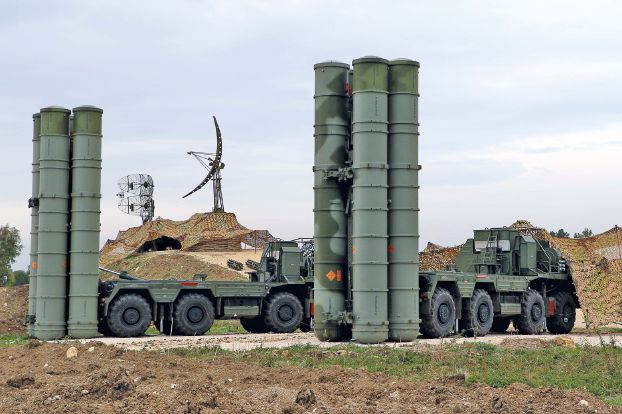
[104, 379]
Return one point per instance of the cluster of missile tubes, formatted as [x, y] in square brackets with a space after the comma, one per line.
[366, 269]
[366, 265]
[65, 223]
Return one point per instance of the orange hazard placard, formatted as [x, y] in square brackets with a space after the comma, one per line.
[34, 265]
[391, 248]
[332, 275]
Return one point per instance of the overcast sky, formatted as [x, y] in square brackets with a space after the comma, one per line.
[520, 109]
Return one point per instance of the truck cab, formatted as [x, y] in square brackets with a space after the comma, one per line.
[282, 262]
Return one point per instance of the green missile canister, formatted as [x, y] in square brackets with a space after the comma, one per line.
[403, 206]
[369, 200]
[330, 221]
[85, 221]
[54, 165]
[33, 203]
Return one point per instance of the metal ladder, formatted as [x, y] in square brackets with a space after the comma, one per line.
[490, 253]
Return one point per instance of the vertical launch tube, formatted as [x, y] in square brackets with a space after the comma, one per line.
[403, 200]
[330, 221]
[33, 203]
[85, 221]
[369, 209]
[53, 224]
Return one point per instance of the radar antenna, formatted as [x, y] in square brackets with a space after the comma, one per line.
[136, 196]
[213, 165]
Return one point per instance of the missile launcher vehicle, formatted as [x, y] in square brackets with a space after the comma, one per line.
[276, 298]
[501, 275]
[368, 285]
[359, 279]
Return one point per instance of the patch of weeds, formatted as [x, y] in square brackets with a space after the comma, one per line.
[9, 340]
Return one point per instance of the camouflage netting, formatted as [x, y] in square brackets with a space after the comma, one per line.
[201, 232]
[435, 257]
[595, 263]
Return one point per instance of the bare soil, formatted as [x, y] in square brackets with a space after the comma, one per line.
[13, 309]
[40, 378]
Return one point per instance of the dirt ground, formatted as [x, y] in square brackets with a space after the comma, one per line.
[103, 379]
[13, 309]
[245, 341]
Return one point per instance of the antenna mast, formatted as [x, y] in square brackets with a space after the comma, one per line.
[213, 164]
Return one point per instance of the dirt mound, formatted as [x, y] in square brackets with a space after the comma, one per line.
[13, 309]
[171, 265]
[109, 380]
[218, 231]
[596, 266]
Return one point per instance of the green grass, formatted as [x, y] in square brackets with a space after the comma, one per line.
[595, 369]
[9, 340]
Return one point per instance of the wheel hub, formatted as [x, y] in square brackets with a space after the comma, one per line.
[131, 316]
[536, 312]
[483, 313]
[567, 313]
[195, 314]
[285, 313]
[444, 313]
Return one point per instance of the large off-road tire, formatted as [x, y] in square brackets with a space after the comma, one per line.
[129, 315]
[532, 317]
[500, 324]
[562, 321]
[478, 318]
[440, 322]
[193, 314]
[283, 313]
[254, 325]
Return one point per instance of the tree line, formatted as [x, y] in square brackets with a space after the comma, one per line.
[563, 233]
[10, 248]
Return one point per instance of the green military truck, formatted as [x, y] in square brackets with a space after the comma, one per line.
[276, 298]
[501, 275]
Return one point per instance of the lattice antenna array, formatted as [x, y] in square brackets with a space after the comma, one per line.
[136, 196]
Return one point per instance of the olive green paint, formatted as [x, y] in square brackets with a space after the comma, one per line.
[369, 200]
[85, 221]
[34, 224]
[53, 224]
[330, 221]
[403, 219]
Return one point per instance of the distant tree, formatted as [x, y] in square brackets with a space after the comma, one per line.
[560, 233]
[18, 277]
[585, 233]
[10, 248]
